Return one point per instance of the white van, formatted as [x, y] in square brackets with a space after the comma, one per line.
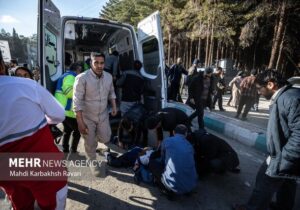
[79, 36]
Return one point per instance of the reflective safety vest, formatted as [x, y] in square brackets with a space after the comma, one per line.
[64, 92]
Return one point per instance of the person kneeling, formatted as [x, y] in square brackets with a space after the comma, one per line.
[132, 127]
[213, 154]
[175, 172]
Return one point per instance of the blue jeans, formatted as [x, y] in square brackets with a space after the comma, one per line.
[266, 186]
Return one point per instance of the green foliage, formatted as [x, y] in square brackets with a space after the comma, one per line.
[239, 24]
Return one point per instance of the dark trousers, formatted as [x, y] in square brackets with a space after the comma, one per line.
[218, 97]
[199, 105]
[174, 92]
[266, 186]
[246, 101]
[156, 167]
[70, 125]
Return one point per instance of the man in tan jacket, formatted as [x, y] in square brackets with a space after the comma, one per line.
[92, 90]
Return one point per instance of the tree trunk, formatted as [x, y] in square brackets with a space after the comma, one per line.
[279, 59]
[169, 47]
[278, 35]
[254, 53]
[211, 50]
[232, 52]
[222, 50]
[175, 52]
[186, 52]
[199, 49]
[191, 51]
[207, 44]
[218, 51]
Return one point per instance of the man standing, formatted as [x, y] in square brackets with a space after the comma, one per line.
[132, 84]
[112, 64]
[248, 95]
[64, 94]
[174, 77]
[26, 110]
[220, 88]
[92, 90]
[200, 90]
[278, 174]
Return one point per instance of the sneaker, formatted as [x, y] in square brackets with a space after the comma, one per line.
[101, 151]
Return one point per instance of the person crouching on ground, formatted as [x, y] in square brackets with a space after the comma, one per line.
[175, 172]
[166, 120]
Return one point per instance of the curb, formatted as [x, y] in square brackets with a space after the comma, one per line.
[234, 129]
[243, 132]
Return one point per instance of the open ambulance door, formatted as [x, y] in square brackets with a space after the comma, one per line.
[151, 53]
[49, 44]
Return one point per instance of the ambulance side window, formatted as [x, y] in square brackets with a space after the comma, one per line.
[151, 56]
[51, 51]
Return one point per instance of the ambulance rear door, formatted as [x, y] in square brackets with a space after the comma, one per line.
[151, 53]
[49, 44]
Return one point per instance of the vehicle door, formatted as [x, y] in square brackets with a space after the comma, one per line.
[151, 53]
[49, 44]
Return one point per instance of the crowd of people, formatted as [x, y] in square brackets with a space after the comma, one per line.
[206, 87]
[86, 100]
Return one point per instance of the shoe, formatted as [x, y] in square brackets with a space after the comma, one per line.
[222, 110]
[236, 116]
[101, 151]
[66, 150]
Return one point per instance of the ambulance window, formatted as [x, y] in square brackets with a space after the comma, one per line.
[51, 51]
[151, 56]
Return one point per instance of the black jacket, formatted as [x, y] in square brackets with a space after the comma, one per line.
[175, 72]
[170, 118]
[283, 134]
[132, 84]
[208, 147]
[195, 88]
